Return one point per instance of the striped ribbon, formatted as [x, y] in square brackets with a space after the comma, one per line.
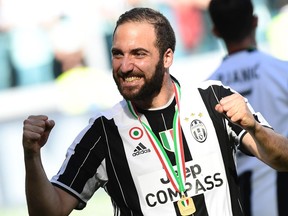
[177, 178]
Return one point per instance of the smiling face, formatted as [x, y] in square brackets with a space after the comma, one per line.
[138, 69]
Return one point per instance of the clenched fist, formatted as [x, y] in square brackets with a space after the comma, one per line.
[36, 130]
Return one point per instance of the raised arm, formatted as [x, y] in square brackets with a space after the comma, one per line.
[42, 197]
[264, 143]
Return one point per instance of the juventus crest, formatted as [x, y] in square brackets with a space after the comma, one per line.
[198, 130]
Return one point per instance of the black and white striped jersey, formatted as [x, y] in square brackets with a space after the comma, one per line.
[263, 80]
[114, 152]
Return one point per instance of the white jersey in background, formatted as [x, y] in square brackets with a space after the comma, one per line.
[263, 80]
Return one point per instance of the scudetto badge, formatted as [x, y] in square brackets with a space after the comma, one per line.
[198, 130]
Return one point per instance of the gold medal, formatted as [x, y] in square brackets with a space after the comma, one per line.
[186, 206]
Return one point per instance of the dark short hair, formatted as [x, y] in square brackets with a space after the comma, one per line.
[232, 18]
[165, 36]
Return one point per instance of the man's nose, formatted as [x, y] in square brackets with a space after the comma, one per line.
[127, 64]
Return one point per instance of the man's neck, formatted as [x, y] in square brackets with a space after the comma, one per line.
[159, 100]
[248, 43]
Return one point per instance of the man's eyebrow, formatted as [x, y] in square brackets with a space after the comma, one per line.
[115, 50]
[140, 49]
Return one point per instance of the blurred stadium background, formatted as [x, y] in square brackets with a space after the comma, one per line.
[54, 60]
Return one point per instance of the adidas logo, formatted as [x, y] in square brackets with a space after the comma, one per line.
[140, 149]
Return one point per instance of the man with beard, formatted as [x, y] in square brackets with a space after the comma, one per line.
[165, 149]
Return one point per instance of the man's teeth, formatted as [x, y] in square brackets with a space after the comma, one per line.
[130, 79]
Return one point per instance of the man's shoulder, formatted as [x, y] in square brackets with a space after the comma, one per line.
[111, 112]
[243, 60]
[246, 57]
[209, 82]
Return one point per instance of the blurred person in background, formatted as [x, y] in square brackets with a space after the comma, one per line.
[130, 151]
[30, 47]
[110, 15]
[187, 19]
[68, 45]
[263, 80]
[277, 32]
[72, 70]
[84, 21]
[6, 69]
[262, 9]
[276, 5]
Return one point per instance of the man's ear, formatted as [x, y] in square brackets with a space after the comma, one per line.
[216, 32]
[168, 58]
[255, 21]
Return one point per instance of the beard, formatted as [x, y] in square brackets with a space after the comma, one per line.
[151, 87]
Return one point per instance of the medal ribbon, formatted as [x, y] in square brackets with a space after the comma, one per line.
[178, 178]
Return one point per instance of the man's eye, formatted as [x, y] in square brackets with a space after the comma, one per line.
[140, 54]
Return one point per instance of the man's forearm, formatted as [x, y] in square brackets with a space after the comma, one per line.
[271, 147]
[40, 193]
